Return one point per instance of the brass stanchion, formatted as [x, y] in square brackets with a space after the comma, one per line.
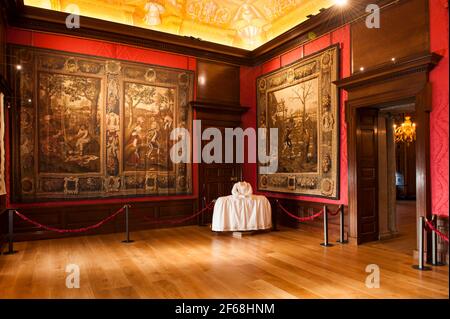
[275, 217]
[325, 228]
[127, 226]
[420, 231]
[434, 257]
[11, 250]
[341, 239]
[201, 217]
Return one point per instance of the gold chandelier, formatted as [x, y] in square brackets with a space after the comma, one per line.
[406, 132]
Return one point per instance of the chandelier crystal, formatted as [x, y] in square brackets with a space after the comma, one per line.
[406, 132]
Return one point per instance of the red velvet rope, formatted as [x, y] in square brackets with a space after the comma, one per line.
[78, 230]
[181, 220]
[301, 219]
[440, 234]
[335, 212]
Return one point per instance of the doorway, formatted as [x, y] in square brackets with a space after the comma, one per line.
[405, 185]
[397, 213]
[386, 183]
[379, 88]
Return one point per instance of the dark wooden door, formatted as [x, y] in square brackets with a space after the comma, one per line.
[367, 172]
[217, 179]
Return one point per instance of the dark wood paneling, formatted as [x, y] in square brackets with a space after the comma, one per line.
[404, 31]
[218, 82]
[141, 216]
[367, 157]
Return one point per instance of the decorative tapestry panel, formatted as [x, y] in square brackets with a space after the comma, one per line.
[301, 101]
[93, 127]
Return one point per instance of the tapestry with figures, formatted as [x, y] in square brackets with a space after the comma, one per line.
[93, 127]
[301, 101]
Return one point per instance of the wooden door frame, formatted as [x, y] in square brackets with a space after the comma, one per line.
[406, 80]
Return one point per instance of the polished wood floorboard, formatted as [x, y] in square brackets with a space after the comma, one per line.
[193, 262]
[405, 241]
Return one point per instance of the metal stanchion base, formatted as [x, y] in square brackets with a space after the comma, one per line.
[342, 242]
[127, 241]
[424, 268]
[326, 245]
[10, 252]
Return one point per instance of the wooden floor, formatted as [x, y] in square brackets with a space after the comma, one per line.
[192, 262]
[405, 241]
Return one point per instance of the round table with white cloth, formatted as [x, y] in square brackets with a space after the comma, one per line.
[242, 211]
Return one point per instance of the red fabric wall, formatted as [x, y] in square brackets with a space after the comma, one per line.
[439, 114]
[107, 50]
[248, 98]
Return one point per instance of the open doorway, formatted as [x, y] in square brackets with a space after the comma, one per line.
[397, 178]
[405, 182]
[368, 94]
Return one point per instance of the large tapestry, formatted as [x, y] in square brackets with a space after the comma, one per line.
[301, 101]
[93, 127]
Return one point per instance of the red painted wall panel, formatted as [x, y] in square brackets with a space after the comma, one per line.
[291, 56]
[439, 159]
[317, 44]
[106, 50]
[271, 65]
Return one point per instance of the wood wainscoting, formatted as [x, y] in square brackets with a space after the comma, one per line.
[142, 215]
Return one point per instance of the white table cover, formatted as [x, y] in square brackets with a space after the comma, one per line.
[242, 213]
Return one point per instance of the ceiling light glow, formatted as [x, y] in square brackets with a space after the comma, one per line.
[341, 2]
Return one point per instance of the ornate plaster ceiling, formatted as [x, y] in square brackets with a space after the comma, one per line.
[244, 24]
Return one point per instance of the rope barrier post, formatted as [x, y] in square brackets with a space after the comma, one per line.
[275, 217]
[342, 239]
[325, 228]
[127, 226]
[420, 231]
[201, 217]
[11, 250]
[434, 259]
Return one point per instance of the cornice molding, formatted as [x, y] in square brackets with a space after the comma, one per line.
[412, 64]
[43, 20]
[212, 106]
[52, 21]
